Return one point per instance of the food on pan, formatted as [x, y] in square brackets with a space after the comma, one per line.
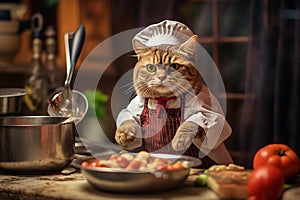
[229, 182]
[141, 161]
[233, 167]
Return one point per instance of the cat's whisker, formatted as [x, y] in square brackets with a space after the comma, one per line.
[126, 85]
[129, 91]
[129, 88]
[148, 92]
[143, 89]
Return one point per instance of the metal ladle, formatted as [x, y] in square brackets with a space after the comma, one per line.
[63, 100]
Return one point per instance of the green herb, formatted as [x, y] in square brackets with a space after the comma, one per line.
[97, 101]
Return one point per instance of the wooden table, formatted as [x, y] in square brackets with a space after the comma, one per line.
[75, 187]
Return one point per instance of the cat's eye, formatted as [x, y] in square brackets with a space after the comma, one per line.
[151, 68]
[174, 67]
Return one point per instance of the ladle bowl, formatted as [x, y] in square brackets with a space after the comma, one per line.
[79, 105]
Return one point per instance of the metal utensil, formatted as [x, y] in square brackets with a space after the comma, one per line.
[65, 105]
[77, 44]
[31, 144]
[11, 100]
[79, 104]
[74, 43]
[61, 104]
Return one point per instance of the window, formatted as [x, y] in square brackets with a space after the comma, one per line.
[223, 27]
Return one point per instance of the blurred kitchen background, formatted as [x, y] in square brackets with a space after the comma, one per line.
[254, 43]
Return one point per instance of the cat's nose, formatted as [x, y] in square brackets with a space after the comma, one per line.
[161, 78]
[161, 74]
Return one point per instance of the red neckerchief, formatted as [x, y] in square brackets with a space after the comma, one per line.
[162, 102]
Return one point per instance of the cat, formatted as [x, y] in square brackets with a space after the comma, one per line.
[174, 108]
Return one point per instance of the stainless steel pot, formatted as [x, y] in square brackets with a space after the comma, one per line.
[11, 100]
[36, 143]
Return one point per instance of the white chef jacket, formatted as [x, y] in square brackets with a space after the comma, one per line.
[210, 118]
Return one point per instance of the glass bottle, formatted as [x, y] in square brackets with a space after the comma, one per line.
[36, 85]
[51, 67]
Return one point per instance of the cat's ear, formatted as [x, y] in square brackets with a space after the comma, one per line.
[139, 47]
[189, 47]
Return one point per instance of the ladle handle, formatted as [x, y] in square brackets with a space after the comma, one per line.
[77, 44]
[73, 43]
[69, 67]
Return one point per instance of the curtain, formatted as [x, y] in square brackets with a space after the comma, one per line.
[271, 113]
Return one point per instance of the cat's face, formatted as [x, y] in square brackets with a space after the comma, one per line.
[166, 72]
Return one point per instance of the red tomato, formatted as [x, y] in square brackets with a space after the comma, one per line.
[265, 183]
[253, 198]
[279, 155]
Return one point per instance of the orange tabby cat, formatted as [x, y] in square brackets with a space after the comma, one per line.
[173, 110]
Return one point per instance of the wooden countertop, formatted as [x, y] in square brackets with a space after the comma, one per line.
[75, 187]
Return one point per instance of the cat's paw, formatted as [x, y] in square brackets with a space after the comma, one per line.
[185, 135]
[126, 132]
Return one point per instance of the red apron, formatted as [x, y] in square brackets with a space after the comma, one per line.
[159, 127]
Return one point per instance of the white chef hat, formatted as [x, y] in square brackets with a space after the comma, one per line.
[166, 32]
